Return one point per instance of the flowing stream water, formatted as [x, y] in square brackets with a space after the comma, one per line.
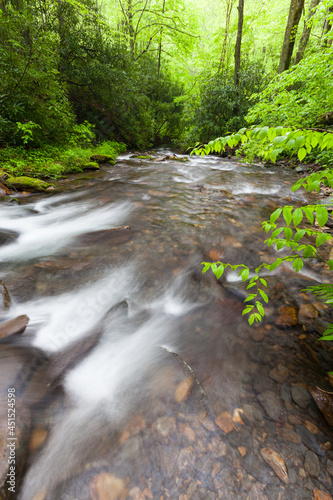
[137, 377]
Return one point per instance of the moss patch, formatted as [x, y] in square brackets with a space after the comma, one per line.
[26, 184]
[91, 165]
[102, 159]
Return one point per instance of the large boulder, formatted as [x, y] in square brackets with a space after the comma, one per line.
[27, 184]
[102, 159]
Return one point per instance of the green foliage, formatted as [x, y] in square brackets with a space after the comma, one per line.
[299, 97]
[223, 106]
[289, 235]
[53, 162]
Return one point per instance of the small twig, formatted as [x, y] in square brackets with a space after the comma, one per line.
[6, 297]
[203, 395]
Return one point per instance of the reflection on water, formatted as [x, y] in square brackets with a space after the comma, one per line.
[126, 329]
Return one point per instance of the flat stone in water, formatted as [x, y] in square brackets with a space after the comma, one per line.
[311, 464]
[309, 440]
[301, 396]
[271, 404]
[289, 435]
[257, 469]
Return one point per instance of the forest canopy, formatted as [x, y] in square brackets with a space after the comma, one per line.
[148, 72]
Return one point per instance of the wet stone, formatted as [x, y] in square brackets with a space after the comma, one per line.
[301, 396]
[218, 448]
[166, 425]
[311, 463]
[309, 439]
[224, 422]
[329, 467]
[321, 495]
[108, 487]
[271, 404]
[279, 373]
[287, 317]
[289, 435]
[257, 469]
[276, 462]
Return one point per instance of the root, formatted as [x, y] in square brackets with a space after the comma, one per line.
[203, 395]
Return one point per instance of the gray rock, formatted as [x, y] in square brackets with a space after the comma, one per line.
[301, 396]
[309, 440]
[257, 469]
[311, 464]
[271, 404]
[330, 467]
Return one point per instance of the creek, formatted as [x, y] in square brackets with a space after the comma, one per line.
[137, 377]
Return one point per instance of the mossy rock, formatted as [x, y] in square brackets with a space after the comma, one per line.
[27, 184]
[91, 165]
[141, 157]
[102, 159]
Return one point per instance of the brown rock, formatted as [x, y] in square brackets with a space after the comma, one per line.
[312, 464]
[40, 496]
[287, 317]
[187, 431]
[258, 333]
[113, 236]
[14, 326]
[279, 373]
[321, 495]
[136, 425]
[224, 421]
[311, 427]
[324, 401]
[276, 462]
[242, 451]
[38, 438]
[166, 425]
[289, 435]
[236, 418]
[208, 424]
[108, 487]
[4, 188]
[307, 313]
[215, 254]
[183, 389]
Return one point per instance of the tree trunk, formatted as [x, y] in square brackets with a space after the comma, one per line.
[295, 13]
[160, 46]
[239, 41]
[327, 28]
[306, 32]
[226, 34]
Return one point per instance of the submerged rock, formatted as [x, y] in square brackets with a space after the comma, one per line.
[276, 462]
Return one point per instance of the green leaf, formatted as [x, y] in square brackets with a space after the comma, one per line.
[287, 214]
[260, 308]
[297, 216]
[263, 133]
[299, 235]
[277, 232]
[247, 310]
[301, 154]
[244, 274]
[264, 282]
[330, 264]
[297, 185]
[251, 319]
[326, 337]
[288, 233]
[309, 214]
[264, 296]
[322, 215]
[298, 264]
[321, 238]
[207, 266]
[219, 271]
[275, 215]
